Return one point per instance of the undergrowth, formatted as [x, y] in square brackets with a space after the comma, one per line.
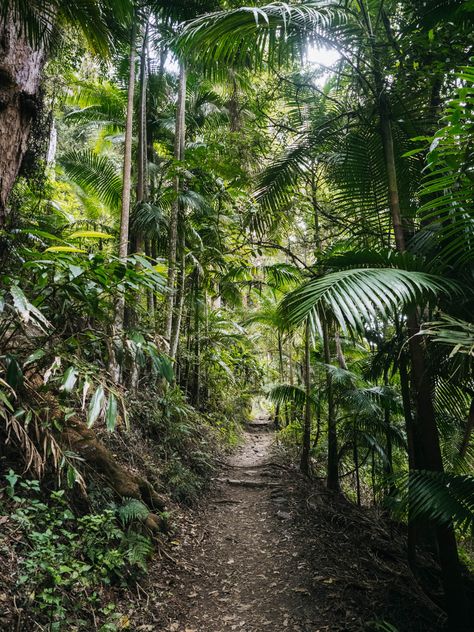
[67, 563]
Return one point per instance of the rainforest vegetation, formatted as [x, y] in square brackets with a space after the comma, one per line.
[208, 209]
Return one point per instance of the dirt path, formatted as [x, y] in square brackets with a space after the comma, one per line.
[250, 571]
[271, 551]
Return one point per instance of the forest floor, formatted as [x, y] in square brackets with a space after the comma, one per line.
[268, 551]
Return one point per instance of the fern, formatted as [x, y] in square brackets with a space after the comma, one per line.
[131, 510]
[139, 549]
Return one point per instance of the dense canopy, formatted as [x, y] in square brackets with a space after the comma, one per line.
[211, 214]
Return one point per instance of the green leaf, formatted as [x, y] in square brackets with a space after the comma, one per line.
[95, 405]
[20, 302]
[71, 476]
[27, 309]
[70, 379]
[36, 355]
[90, 234]
[95, 174]
[111, 413]
[64, 249]
[357, 296]
[14, 374]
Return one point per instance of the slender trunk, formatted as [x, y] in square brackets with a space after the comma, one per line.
[305, 465]
[136, 241]
[389, 153]
[21, 71]
[178, 308]
[318, 420]
[356, 466]
[127, 156]
[189, 340]
[291, 377]
[173, 230]
[426, 436]
[197, 350]
[205, 385]
[150, 293]
[276, 419]
[314, 201]
[468, 429]
[374, 497]
[282, 378]
[117, 328]
[407, 413]
[142, 136]
[339, 353]
[333, 466]
[280, 357]
[290, 364]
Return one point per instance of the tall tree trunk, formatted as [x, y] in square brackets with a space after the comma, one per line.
[339, 353]
[305, 465]
[280, 357]
[137, 243]
[173, 230]
[468, 430]
[117, 328]
[282, 378]
[333, 465]
[428, 456]
[196, 389]
[127, 156]
[142, 135]
[21, 69]
[150, 296]
[178, 307]
[355, 450]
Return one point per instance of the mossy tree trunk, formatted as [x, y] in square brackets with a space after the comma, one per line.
[21, 68]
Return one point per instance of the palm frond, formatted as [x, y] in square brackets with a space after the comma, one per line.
[357, 297]
[451, 332]
[102, 22]
[448, 187]
[288, 393]
[437, 496]
[247, 36]
[95, 174]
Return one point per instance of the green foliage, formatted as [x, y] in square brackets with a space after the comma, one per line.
[357, 296]
[95, 174]
[246, 36]
[94, 19]
[438, 496]
[65, 558]
[447, 190]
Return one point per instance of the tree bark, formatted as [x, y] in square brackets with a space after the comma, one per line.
[305, 465]
[196, 381]
[468, 429]
[114, 366]
[127, 155]
[173, 230]
[142, 116]
[21, 69]
[333, 465]
[178, 307]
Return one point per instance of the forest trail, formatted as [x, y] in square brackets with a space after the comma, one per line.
[269, 551]
[250, 571]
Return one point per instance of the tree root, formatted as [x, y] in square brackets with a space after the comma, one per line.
[83, 441]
